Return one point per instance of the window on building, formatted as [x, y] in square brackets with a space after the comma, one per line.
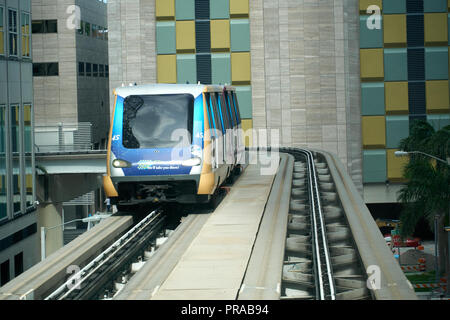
[107, 71]
[105, 33]
[12, 31]
[4, 273]
[26, 52]
[88, 69]
[18, 264]
[95, 70]
[2, 32]
[81, 69]
[87, 29]
[44, 26]
[95, 33]
[45, 69]
[101, 69]
[3, 187]
[28, 138]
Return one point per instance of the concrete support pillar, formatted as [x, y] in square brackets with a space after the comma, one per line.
[50, 215]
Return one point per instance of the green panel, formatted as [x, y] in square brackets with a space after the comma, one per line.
[436, 63]
[186, 68]
[244, 95]
[397, 128]
[165, 37]
[221, 68]
[374, 166]
[184, 9]
[395, 65]
[394, 6]
[438, 121]
[240, 35]
[372, 99]
[434, 5]
[370, 38]
[219, 9]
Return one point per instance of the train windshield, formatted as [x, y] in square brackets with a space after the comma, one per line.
[158, 121]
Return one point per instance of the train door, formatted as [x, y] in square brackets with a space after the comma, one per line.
[237, 116]
[228, 142]
[220, 128]
[233, 129]
[213, 132]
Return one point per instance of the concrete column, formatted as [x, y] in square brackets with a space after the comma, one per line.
[50, 215]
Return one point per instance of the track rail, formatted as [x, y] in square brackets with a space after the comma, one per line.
[322, 261]
[86, 283]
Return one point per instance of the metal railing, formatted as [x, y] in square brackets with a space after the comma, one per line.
[63, 137]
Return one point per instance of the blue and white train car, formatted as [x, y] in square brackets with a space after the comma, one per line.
[172, 143]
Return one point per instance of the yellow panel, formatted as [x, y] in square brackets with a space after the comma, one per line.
[436, 31]
[167, 68]
[165, 9]
[240, 68]
[247, 126]
[437, 96]
[220, 35]
[364, 4]
[396, 97]
[374, 132]
[372, 64]
[394, 30]
[29, 182]
[185, 36]
[239, 8]
[395, 166]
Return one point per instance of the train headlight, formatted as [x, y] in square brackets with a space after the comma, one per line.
[192, 162]
[117, 163]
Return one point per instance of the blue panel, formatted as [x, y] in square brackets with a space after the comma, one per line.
[221, 68]
[416, 95]
[415, 30]
[416, 64]
[369, 38]
[374, 166]
[436, 63]
[244, 95]
[397, 128]
[186, 68]
[394, 6]
[395, 65]
[435, 6]
[240, 35]
[372, 99]
[439, 121]
[185, 9]
[219, 9]
[165, 37]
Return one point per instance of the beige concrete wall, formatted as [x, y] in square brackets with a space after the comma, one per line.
[305, 75]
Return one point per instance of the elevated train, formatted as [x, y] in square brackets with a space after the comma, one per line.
[172, 143]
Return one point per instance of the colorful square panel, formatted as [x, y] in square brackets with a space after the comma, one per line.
[397, 128]
[436, 29]
[167, 68]
[165, 37]
[369, 38]
[165, 9]
[364, 4]
[396, 95]
[394, 6]
[186, 68]
[372, 66]
[436, 63]
[220, 35]
[435, 6]
[438, 121]
[395, 166]
[437, 94]
[244, 95]
[240, 35]
[240, 68]
[395, 64]
[219, 9]
[373, 132]
[185, 9]
[374, 166]
[239, 8]
[221, 68]
[372, 99]
[394, 28]
[185, 36]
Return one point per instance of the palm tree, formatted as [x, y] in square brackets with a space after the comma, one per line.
[427, 191]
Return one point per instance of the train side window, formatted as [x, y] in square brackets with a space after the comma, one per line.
[236, 106]
[209, 111]
[215, 112]
[223, 114]
[230, 110]
[233, 107]
[225, 111]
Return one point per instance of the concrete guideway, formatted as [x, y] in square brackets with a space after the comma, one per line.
[41, 279]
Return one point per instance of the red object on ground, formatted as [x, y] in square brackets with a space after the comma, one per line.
[408, 243]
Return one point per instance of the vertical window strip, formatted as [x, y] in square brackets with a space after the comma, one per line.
[26, 52]
[12, 30]
[2, 31]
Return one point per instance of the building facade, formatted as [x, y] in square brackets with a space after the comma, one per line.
[18, 222]
[404, 77]
[70, 65]
[295, 63]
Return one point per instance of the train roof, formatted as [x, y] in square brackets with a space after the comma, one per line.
[160, 88]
